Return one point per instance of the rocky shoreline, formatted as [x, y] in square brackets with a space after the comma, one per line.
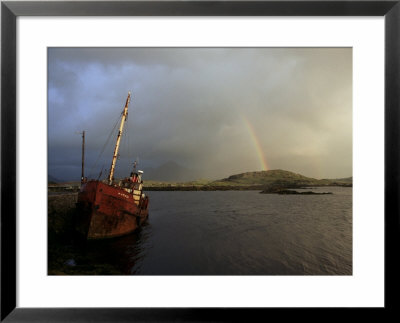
[204, 188]
[267, 189]
[292, 192]
[66, 256]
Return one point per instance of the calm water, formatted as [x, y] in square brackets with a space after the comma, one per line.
[238, 233]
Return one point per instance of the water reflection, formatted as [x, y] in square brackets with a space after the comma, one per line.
[123, 253]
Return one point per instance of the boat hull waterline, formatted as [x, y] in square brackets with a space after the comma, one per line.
[107, 211]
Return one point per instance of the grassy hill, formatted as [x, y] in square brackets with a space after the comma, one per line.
[278, 177]
[261, 179]
[266, 178]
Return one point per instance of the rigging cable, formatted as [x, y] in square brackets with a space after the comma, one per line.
[105, 145]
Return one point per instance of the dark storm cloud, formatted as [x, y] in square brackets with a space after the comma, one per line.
[189, 105]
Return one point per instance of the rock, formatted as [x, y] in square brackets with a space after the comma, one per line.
[291, 192]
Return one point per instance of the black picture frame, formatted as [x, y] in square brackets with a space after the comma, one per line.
[10, 10]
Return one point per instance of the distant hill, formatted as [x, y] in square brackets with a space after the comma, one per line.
[271, 180]
[343, 180]
[278, 177]
[52, 179]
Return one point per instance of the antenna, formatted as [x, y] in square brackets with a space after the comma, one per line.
[135, 163]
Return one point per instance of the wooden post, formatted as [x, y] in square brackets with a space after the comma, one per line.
[83, 157]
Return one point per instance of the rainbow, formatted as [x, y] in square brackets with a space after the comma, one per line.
[256, 142]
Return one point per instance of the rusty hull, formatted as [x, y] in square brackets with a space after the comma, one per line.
[106, 211]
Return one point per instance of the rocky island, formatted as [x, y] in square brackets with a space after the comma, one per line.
[291, 192]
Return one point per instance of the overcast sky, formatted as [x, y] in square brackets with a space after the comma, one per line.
[219, 111]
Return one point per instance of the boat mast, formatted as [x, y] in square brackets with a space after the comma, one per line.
[121, 128]
[83, 157]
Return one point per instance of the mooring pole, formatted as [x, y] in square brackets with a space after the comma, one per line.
[83, 157]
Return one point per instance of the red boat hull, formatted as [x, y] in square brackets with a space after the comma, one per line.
[106, 211]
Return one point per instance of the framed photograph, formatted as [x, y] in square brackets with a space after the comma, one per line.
[198, 160]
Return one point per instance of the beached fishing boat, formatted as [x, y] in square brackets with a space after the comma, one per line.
[110, 208]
